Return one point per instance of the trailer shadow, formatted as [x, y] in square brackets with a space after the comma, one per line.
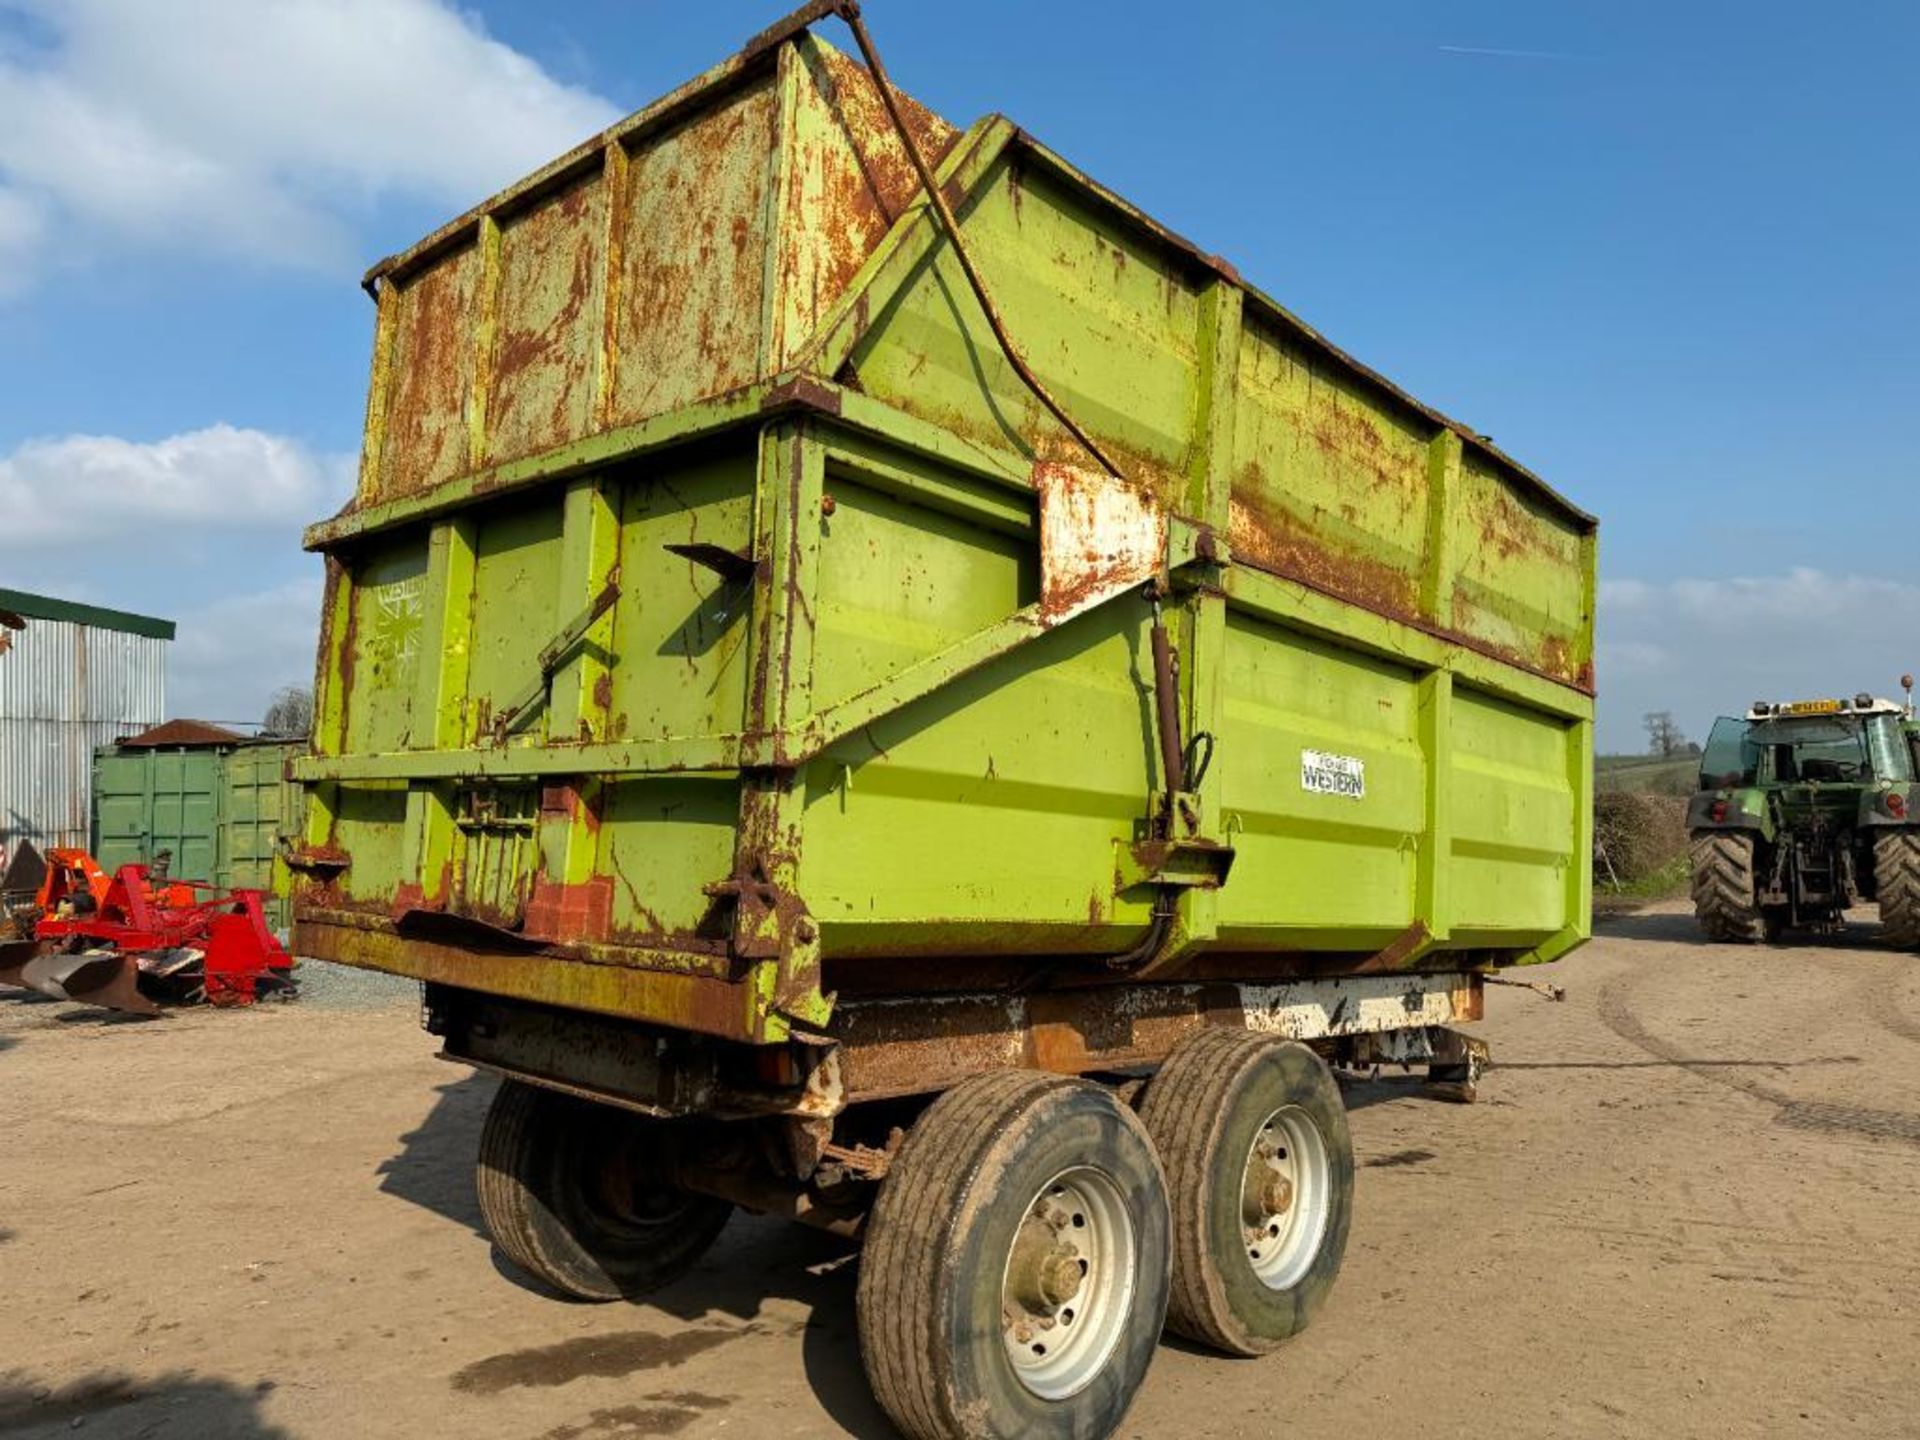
[760, 1273]
[1661, 926]
[119, 1406]
[434, 1167]
[1678, 927]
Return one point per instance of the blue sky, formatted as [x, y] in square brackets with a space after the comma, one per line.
[1668, 255]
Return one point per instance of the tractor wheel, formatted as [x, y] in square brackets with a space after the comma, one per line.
[1259, 1165]
[1896, 878]
[1726, 888]
[570, 1192]
[1014, 1280]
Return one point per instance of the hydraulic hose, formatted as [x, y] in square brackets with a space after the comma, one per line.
[1173, 769]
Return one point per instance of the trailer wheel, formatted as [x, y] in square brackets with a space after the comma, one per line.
[1259, 1164]
[1014, 1279]
[1726, 889]
[1896, 878]
[570, 1192]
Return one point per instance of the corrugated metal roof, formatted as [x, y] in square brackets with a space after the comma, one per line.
[45, 607]
[65, 688]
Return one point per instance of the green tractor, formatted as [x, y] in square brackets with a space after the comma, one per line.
[1804, 809]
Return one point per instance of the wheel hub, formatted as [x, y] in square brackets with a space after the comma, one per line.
[1044, 1272]
[1284, 1197]
[1269, 1194]
[1068, 1283]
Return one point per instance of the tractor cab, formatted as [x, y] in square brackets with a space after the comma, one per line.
[1810, 742]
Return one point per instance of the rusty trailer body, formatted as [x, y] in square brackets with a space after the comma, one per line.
[741, 693]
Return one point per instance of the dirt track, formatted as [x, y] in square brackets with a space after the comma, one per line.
[1686, 1207]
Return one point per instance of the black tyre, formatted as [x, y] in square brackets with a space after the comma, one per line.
[1014, 1280]
[1726, 887]
[1896, 879]
[571, 1193]
[1259, 1165]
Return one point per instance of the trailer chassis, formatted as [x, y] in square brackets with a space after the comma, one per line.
[835, 1105]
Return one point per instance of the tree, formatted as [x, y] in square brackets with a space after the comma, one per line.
[289, 713]
[1663, 735]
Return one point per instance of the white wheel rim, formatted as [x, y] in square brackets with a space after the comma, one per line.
[1286, 1198]
[1076, 1224]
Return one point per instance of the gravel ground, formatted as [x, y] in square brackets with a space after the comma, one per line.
[1685, 1208]
[326, 986]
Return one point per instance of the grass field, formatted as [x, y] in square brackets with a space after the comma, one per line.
[1647, 774]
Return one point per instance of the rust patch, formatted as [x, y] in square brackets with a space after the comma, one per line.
[692, 275]
[566, 913]
[686, 985]
[1097, 534]
[802, 393]
[412, 896]
[1397, 955]
[408, 898]
[852, 179]
[1347, 434]
[1271, 542]
[1262, 543]
[788, 27]
[553, 267]
[432, 377]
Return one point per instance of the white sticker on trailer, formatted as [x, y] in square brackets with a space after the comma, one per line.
[1326, 774]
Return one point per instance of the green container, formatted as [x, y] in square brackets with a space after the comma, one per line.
[149, 801]
[262, 821]
[721, 624]
[227, 814]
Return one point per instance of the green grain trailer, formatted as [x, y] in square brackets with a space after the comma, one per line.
[827, 756]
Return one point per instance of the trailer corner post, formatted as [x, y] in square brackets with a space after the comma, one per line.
[771, 925]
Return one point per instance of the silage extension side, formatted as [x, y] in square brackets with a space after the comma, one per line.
[741, 700]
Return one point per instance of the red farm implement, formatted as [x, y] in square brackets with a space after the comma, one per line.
[136, 941]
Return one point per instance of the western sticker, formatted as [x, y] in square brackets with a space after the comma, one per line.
[1326, 774]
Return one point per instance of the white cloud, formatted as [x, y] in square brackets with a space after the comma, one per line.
[257, 129]
[230, 656]
[84, 491]
[23, 224]
[201, 527]
[1702, 647]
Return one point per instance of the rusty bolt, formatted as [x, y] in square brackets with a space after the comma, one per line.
[828, 505]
